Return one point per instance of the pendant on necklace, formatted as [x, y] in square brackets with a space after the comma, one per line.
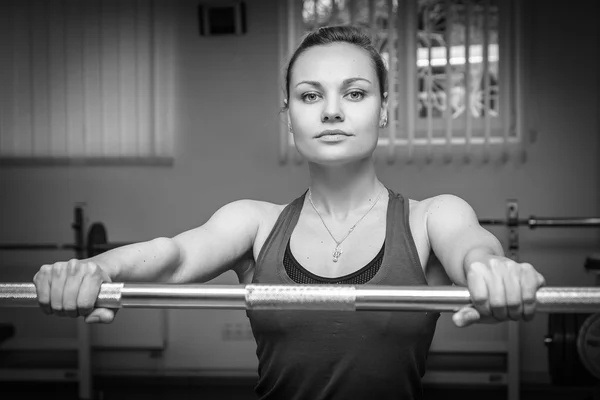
[337, 253]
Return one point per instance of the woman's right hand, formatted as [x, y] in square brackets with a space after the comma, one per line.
[71, 289]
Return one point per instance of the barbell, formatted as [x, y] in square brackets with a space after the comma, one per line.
[303, 297]
[96, 242]
[97, 238]
[573, 338]
[533, 222]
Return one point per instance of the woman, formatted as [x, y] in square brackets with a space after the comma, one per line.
[346, 228]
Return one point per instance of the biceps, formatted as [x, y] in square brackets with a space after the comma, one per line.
[215, 247]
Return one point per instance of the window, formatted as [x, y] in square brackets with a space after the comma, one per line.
[85, 82]
[453, 70]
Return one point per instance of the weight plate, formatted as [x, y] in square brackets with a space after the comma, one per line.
[570, 348]
[96, 235]
[588, 344]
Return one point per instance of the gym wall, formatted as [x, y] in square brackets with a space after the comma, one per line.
[226, 149]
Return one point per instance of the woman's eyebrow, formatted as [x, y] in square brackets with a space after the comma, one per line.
[346, 82]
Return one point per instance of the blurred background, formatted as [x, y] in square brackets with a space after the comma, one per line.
[154, 114]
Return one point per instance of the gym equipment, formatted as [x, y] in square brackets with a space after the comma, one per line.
[302, 297]
[95, 242]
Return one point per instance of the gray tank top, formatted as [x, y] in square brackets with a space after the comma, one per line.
[310, 355]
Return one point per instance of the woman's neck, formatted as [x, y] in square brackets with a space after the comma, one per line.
[341, 191]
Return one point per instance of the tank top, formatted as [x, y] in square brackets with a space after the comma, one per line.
[312, 355]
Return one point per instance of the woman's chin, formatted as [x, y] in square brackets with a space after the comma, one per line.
[337, 160]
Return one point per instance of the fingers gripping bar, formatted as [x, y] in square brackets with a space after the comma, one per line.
[303, 297]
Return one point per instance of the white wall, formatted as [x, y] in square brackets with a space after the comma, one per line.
[226, 149]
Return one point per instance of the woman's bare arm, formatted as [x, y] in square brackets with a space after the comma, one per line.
[197, 255]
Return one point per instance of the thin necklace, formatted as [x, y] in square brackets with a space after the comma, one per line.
[338, 250]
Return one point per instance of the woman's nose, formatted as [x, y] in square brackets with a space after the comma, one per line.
[332, 112]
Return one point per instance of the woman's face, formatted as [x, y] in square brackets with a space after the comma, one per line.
[335, 107]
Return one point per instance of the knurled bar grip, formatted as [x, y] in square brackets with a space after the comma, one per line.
[303, 297]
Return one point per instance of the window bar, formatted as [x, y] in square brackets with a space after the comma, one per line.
[48, 44]
[505, 60]
[3, 101]
[295, 10]
[391, 83]
[136, 61]
[3, 64]
[411, 89]
[486, 81]
[372, 18]
[101, 79]
[65, 71]
[517, 15]
[334, 12]
[120, 14]
[65, 50]
[468, 128]
[15, 86]
[154, 74]
[428, 79]
[283, 132]
[83, 15]
[32, 80]
[448, 109]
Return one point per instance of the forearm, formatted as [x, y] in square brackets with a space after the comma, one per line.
[154, 260]
[478, 253]
[480, 250]
[467, 249]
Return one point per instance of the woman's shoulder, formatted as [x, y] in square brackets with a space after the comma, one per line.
[441, 201]
[259, 208]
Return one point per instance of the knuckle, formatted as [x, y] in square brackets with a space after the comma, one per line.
[541, 279]
[46, 269]
[477, 268]
[72, 268]
[58, 269]
[91, 268]
[527, 269]
[496, 301]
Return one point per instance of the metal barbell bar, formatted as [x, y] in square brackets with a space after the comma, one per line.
[303, 297]
[533, 222]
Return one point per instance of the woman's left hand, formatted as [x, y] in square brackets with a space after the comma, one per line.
[501, 289]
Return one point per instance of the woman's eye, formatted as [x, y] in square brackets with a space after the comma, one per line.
[356, 95]
[310, 97]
